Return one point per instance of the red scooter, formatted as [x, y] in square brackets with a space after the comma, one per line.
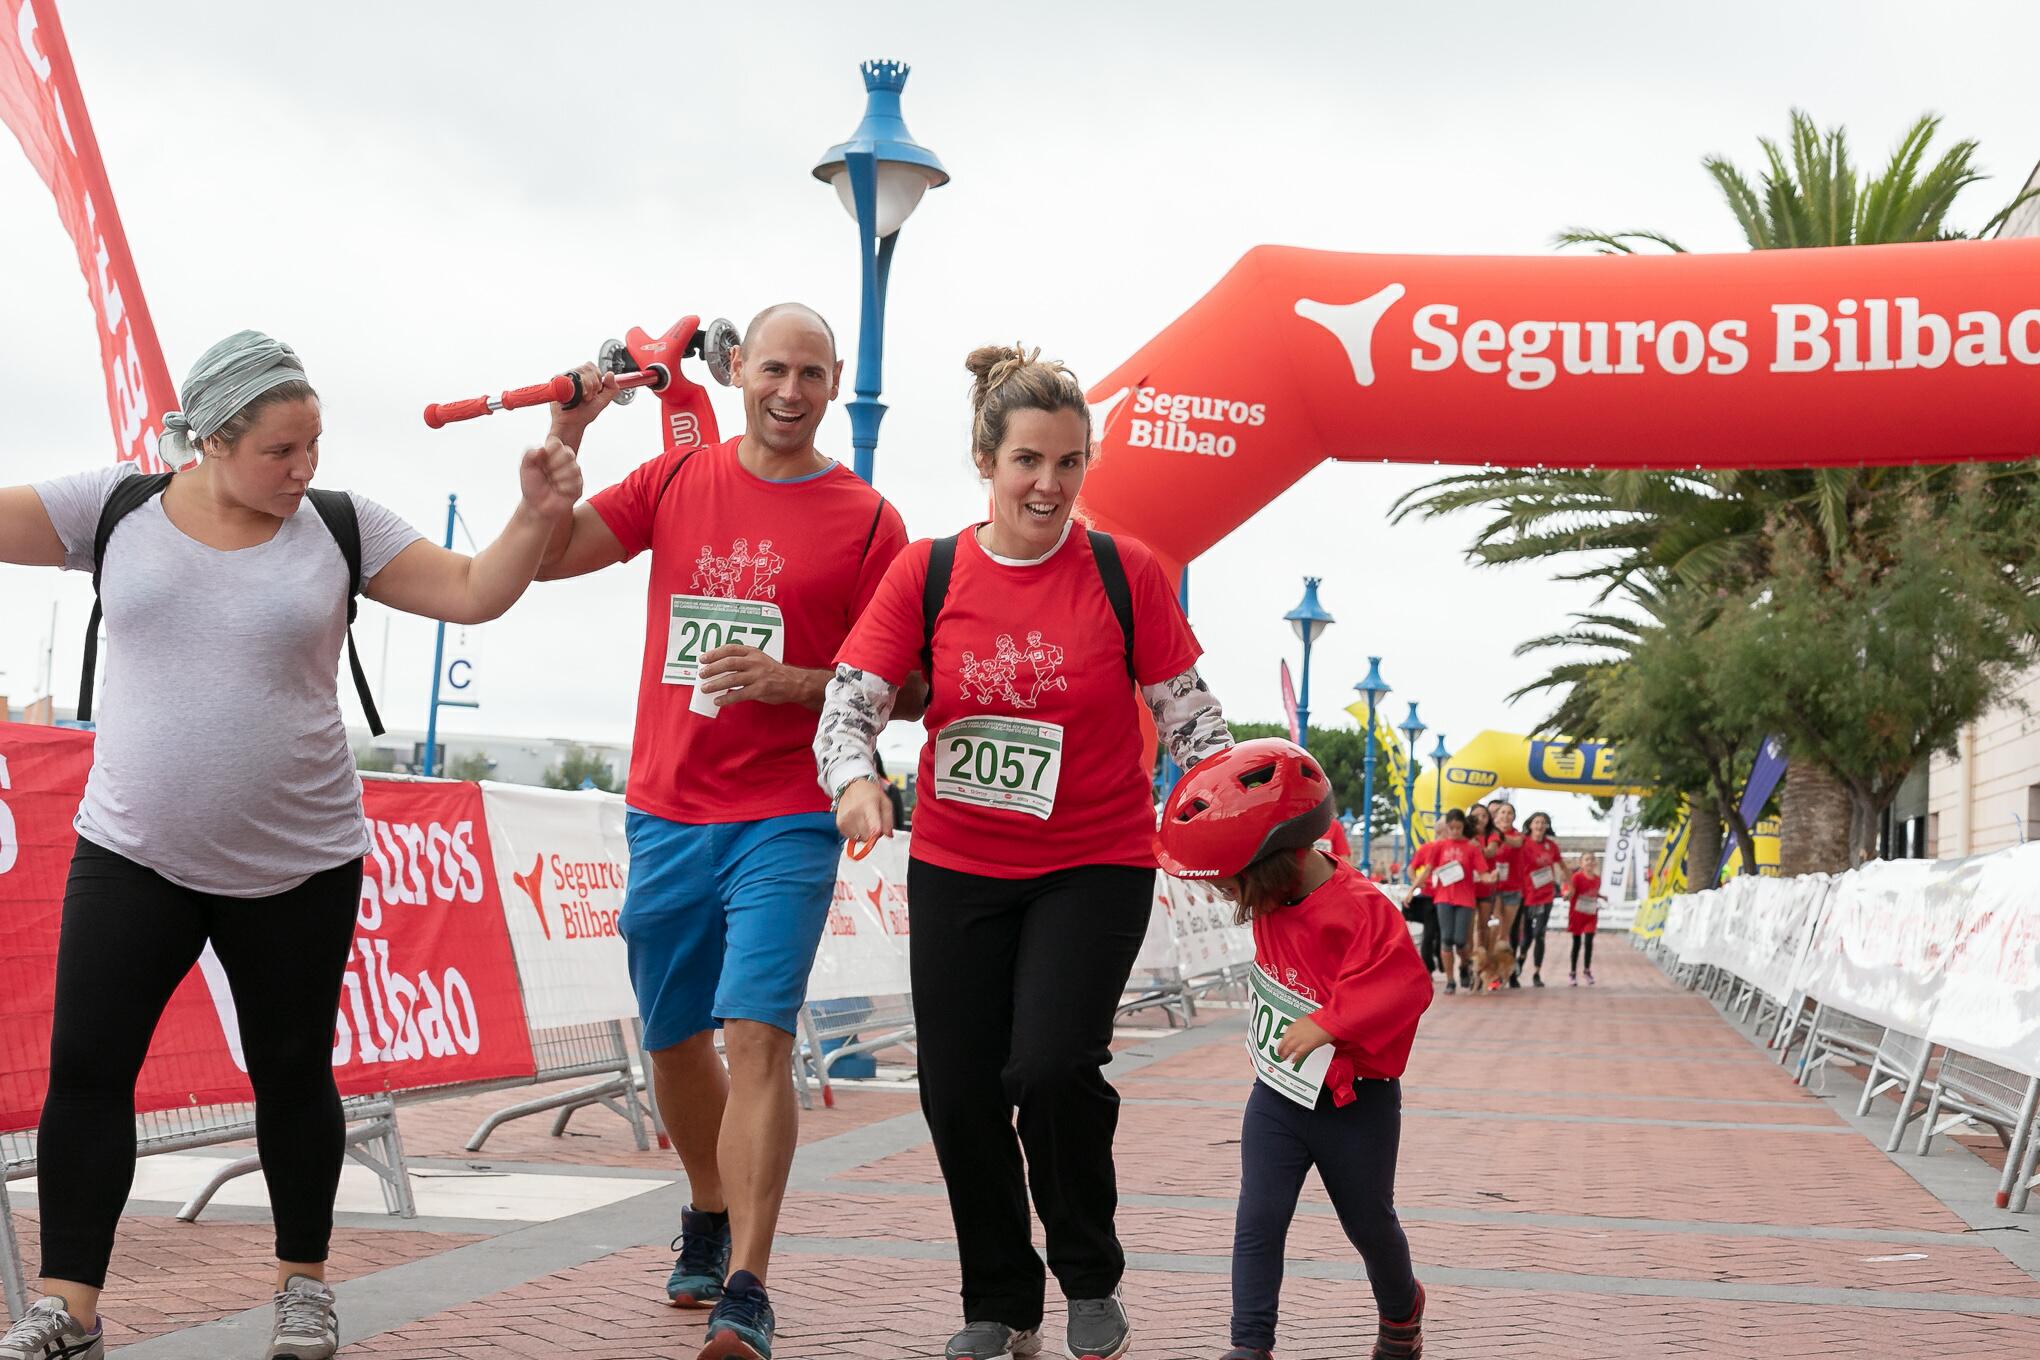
[637, 360]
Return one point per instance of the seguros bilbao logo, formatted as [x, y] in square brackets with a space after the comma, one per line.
[575, 882]
[1844, 335]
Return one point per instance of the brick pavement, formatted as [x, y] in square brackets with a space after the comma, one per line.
[1594, 1172]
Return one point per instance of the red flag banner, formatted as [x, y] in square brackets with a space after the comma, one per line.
[1772, 358]
[41, 103]
[430, 996]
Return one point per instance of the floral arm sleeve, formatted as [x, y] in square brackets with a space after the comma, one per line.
[855, 708]
[1188, 717]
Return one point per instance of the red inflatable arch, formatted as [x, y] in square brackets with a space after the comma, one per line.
[1782, 358]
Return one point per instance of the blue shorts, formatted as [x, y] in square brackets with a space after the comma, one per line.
[721, 921]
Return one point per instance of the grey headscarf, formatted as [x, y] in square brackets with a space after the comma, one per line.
[226, 378]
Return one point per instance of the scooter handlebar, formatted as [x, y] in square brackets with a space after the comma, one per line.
[565, 388]
[441, 413]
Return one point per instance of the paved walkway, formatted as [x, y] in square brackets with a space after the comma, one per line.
[1612, 1171]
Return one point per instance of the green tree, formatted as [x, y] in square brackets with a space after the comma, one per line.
[1869, 665]
[474, 766]
[1654, 690]
[578, 764]
[1343, 753]
[1716, 531]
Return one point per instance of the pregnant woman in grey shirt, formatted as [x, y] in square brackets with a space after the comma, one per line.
[226, 603]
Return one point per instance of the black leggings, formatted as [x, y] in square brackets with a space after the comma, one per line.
[1015, 985]
[1354, 1151]
[129, 937]
[1589, 938]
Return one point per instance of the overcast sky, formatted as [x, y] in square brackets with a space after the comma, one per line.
[433, 201]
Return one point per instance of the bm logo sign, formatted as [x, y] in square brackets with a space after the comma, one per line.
[1590, 763]
[1476, 779]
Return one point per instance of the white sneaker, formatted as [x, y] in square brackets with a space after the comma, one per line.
[306, 1327]
[47, 1332]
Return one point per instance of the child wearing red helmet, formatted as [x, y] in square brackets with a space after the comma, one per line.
[1338, 990]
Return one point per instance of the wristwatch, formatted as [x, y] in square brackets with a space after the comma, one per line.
[837, 802]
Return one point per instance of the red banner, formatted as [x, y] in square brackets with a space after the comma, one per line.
[431, 992]
[1773, 358]
[40, 101]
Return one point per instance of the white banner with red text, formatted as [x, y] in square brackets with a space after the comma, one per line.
[1948, 950]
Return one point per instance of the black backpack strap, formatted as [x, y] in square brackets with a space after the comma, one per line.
[678, 463]
[1112, 572]
[129, 494]
[871, 534]
[941, 561]
[336, 508]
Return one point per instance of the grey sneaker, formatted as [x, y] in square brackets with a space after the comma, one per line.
[47, 1332]
[306, 1326]
[1098, 1329]
[992, 1341]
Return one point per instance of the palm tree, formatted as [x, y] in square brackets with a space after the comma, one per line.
[1633, 528]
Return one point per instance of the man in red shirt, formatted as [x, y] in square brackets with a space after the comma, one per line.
[733, 847]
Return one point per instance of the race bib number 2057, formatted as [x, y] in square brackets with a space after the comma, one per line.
[1276, 1008]
[1000, 763]
[699, 624]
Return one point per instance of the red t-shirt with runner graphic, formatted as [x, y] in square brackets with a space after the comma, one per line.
[1440, 853]
[1033, 762]
[732, 552]
[1530, 857]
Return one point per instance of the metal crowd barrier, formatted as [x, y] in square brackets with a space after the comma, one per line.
[1840, 1037]
[371, 1140]
[1971, 1091]
[881, 1023]
[598, 1050]
[1900, 1060]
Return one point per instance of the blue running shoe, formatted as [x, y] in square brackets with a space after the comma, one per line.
[704, 1247]
[740, 1328]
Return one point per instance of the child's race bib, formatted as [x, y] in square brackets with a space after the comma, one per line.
[1448, 873]
[1588, 906]
[1012, 763]
[1276, 1008]
[1542, 878]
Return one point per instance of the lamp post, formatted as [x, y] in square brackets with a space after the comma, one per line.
[1411, 727]
[1439, 755]
[1310, 620]
[439, 664]
[880, 175]
[1374, 687]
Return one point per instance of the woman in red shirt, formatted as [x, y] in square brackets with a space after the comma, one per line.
[1032, 865]
[1448, 870]
[1584, 918]
[1334, 970]
[1539, 867]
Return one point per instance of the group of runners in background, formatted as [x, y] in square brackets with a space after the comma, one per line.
[1484, 890]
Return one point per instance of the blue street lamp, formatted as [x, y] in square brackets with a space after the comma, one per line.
[1411, 727]
[880, 175]
[1374, 687]
[1439, 755]
[1310, 620]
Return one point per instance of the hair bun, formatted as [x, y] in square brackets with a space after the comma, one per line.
[992, 365]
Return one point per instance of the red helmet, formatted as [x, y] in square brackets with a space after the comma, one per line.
[1240, 805]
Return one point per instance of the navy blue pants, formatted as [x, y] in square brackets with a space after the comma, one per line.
[1354, 1150]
